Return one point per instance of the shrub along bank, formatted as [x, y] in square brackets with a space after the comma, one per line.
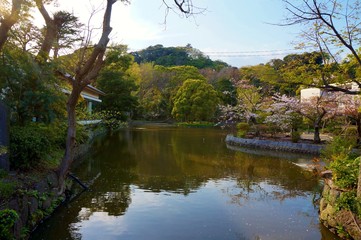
[340, 209]
[30, 192]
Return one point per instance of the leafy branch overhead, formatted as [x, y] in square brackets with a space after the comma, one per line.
[331, 25]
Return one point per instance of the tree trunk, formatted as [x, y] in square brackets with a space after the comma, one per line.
[316, 136]
[359, 183]
[358, 127]
[71, 136]
[53, 26]
[8, 21]
[47, 44]
[85, 74]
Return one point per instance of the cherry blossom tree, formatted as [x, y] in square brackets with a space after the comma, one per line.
[250, 108]
[315, 109]
[350, 107]
[283, 112]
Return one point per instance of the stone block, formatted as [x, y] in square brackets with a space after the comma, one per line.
[324, 215]
[331, 221]
[330, 210]
[23, 209]
[333, 196]
[42, 186]
[46, 203]
[323, 204]
[52, 180]
[13, 204]
[33, 205]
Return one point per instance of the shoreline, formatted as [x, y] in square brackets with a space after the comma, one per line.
[282, 146]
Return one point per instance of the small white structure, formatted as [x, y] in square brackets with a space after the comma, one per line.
[308, 93]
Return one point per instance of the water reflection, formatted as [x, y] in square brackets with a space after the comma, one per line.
[177, 183]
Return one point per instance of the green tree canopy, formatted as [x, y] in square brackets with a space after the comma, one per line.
[195, 100]
[176, 56]
[118, 82]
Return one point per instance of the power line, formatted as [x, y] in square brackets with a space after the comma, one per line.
[259, 51]
[249, 55]
[255, 53]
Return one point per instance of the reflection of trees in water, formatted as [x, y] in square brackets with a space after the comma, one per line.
[111, 203]
[262, 178]
[114, 203]
[181, 185]
[182, 160]
[178, 161]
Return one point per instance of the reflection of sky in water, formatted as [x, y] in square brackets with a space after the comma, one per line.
[218, 210]
[179, 183]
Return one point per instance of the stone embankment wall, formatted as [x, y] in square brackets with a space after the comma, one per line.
[38, 201]
[34, 204]
[275, 145]
[339, 221]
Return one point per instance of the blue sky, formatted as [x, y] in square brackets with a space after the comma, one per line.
[232, 27]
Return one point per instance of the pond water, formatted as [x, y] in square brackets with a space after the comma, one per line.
[185, 183]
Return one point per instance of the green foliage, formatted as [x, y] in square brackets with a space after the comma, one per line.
[295, 136]
[338, 148]
[36, 217]
[28, 145]
[350, 133]
[242, 129]
[176, 56]
[159, 85]
[118, 81]
[345, 171]
[227, 92]
[6, 189]
[82, 134]
[24, 233]
[265, 77]
[31, 90]
[343, 163]
[112, 120]
[196, 100]
[8, 218]
[39, 143]
[348, 200]
[3, 173]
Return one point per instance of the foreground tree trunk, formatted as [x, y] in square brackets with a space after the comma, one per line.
[8, 21]
[71, 135]
[85, 74]
[316, 136]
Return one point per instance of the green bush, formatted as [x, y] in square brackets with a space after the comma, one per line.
[348, 201]
[242, 129]
[55, 132]
[7, 220]
[112, 120]
[28, 145]
[343, 162]
[36, 142]
[82, 134]
[338, 148]
[6, 189]
[345, 171]
[295, 136]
